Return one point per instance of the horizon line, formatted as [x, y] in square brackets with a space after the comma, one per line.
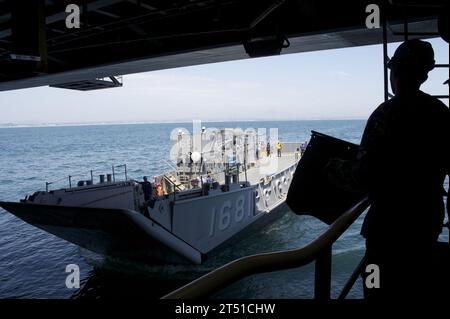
[106, 123]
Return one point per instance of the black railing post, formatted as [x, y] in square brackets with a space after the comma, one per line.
[351, 281]
[322, 281]
[385, 53]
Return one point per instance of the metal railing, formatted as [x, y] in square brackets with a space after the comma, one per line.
[320, 250]
[291, 147]
[70, 179]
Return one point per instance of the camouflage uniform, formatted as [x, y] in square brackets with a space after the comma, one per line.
[402, 163]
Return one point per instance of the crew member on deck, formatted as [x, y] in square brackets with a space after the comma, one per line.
[404, 186]
[147, 188]
[279, 147]
[209, 178]
[303, 148]
[297, 154]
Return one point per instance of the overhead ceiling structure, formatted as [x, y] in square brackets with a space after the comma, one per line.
[116, 37]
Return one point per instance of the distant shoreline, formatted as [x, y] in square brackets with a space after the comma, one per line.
[47, 125]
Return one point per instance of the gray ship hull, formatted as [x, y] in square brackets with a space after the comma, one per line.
[123, 233]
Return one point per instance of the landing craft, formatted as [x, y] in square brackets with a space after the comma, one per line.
[193, 211]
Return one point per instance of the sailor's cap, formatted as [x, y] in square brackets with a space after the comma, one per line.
[414, 54]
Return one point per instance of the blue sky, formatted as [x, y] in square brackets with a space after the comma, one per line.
[334, 84]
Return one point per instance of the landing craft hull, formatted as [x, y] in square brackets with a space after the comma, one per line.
[121, 233]
[124, 233]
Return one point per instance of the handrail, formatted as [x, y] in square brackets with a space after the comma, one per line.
[125, 172]
[79, 174]
[268, 262]
[176, 186]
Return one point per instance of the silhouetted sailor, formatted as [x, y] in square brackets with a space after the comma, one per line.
[147, 188]
[404, 184]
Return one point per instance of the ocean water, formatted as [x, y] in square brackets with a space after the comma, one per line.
[33, 262]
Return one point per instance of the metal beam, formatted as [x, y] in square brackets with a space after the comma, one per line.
[142, 5]
[99, 4]
[108, 14]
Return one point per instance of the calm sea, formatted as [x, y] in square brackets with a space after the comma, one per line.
[33, 262]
